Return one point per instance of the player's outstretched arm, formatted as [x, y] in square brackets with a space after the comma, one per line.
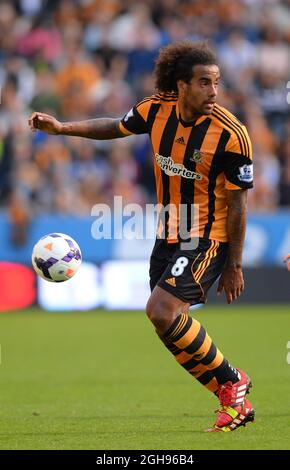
[100, 129]
[231, 280]
[287, 261]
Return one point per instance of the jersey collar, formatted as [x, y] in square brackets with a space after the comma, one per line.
[196, 122]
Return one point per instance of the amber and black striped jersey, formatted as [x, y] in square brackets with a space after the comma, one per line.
[194, 163]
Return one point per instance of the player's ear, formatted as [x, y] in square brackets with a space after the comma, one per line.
[181, 86]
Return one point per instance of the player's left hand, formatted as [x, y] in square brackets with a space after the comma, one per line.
[232, 282]
[287, 261]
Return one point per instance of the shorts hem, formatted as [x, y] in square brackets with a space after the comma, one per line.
[179, 296]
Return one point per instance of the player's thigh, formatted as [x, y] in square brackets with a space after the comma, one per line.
[160, 257]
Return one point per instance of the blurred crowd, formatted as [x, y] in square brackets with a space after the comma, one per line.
[80, 59]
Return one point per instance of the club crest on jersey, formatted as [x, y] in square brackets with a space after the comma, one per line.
[197, 156]
[246, 173]
[171, 168]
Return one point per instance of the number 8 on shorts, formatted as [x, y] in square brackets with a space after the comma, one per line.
[178, 267]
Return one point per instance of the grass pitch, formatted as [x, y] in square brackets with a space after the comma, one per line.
[103, 380]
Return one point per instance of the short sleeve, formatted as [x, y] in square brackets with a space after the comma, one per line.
[239, 161]
[135, 121]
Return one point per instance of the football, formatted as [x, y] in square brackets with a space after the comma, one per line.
[56, 257]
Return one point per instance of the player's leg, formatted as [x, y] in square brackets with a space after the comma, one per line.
[161, 255]
[181, 279]
[190, 275]
[195, 348]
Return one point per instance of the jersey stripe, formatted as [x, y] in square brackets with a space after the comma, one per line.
[157, 131]
[144, 100]
[208, 147]
[176, 181]
[230, 128]
[222, 112]
[238, 125]
[152, 115]
[216, 168]
[166, 144]
[143, 108]
[237, 128]
[197, 136]
[166, 98]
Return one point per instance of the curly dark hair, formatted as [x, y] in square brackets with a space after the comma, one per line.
[176, 61]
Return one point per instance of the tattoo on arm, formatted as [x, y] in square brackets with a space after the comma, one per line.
[100, 129]
[236, 225]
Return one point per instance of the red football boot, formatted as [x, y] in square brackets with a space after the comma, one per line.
[234, 410]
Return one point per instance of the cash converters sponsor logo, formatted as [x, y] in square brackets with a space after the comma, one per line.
[175, 169]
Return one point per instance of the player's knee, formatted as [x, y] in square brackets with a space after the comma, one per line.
[160, 314]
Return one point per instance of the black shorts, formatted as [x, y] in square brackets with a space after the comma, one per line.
[187, 274]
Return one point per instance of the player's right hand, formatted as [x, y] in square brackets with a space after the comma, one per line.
[44, 122]
[287, 261]
[232, 282]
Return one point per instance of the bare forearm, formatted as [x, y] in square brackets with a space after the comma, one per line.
[100, 129]
[236, 227]
[236, 234]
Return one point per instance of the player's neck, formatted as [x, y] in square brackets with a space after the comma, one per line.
[188, 114]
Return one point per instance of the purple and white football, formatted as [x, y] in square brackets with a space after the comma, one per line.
[56, 257]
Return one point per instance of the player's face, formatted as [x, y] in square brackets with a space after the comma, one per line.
[199, 95]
